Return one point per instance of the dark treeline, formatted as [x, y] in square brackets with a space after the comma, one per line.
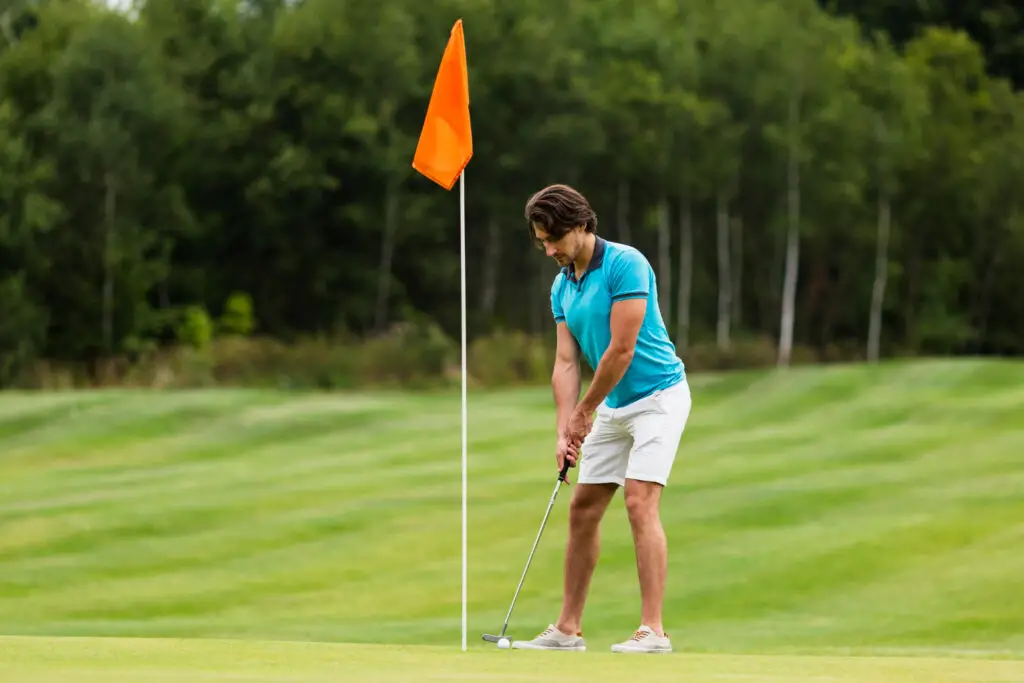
[848, 185]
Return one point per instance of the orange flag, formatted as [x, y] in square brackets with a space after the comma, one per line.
[446, 141]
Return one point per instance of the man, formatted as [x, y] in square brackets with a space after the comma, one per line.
[605, 304]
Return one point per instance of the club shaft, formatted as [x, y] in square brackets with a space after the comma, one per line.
[529, 559]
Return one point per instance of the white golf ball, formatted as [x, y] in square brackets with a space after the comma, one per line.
[503, 644]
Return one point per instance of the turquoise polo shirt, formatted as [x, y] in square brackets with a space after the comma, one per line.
[617, 272]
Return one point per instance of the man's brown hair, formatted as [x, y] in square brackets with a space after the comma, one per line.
[557, 209]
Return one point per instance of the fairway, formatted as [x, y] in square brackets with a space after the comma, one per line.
[820, 511]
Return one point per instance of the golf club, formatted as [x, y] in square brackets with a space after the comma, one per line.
[561, 478]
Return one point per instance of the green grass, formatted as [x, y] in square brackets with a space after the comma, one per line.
[133, 660]
[875, 511]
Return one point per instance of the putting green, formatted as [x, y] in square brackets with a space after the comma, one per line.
[43, 660]
[875, 510]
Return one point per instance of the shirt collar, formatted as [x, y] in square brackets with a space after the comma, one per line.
[596, 259]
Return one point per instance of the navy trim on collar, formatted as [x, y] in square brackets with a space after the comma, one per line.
[596, 259]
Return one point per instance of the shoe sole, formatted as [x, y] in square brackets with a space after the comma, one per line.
[575, 648]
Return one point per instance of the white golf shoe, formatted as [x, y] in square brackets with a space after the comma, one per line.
[552, 639]
[645, 641]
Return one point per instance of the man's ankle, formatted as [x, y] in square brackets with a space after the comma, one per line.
[656, 626]
[568, 628]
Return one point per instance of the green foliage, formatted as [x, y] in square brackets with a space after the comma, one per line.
[22, 331]
[511, 357]
[237, 317]
[255, 160]
[406, 357]
[196, 327]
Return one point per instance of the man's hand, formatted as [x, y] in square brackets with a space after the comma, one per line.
[566, 451]
[580, 423]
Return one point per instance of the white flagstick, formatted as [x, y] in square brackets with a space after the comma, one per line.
[462, 259]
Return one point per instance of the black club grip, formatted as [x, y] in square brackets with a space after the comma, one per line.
[565, 470]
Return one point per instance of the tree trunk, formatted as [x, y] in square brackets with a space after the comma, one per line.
[623, 212]
[492, 268]
[387, 252]
[881, 273]
[737, 272]
[793, 237]
[912, 259]
[991, 266]
[109, 256]
[664, 260]
[5, 27]
[685, 275]
[540, 289]
[724, 274]
[165, 281]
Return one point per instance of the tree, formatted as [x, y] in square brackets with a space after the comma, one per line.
[114, 122]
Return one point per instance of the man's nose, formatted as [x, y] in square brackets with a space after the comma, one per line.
[549, 249]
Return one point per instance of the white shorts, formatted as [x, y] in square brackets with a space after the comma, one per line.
[638, 441]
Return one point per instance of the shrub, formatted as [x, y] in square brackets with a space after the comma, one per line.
[413, 354]
[196, 328]
[505, 358]
[237, 317]
[743, 353]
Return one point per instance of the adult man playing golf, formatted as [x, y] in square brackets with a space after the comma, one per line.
[605, 304]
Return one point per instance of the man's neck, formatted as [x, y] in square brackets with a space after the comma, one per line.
[582, 259]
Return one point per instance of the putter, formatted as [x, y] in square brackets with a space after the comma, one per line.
[561, 478]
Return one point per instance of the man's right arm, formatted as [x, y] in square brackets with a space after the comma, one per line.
[566, 380]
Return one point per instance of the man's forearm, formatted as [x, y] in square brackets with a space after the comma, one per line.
[566, 384]
[610, 369]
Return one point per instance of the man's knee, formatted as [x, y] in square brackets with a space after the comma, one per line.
[642, 500]
[589, 503]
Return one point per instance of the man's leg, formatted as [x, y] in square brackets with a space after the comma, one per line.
[642, 503]
[657, 426]
[602, 470]
[589, 503]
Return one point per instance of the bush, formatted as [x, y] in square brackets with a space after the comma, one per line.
[238, 316]
[743, 353]
[195, 328]
[414, 354]
[506, 358]
[410, 355]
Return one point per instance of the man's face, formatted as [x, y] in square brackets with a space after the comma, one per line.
[563, 250]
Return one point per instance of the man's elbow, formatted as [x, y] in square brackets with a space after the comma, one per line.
[564, 369]
[623, 353]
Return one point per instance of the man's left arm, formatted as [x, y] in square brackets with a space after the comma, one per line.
[627, 316]
[629, 282]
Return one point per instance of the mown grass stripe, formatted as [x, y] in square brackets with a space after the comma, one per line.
[849, 506]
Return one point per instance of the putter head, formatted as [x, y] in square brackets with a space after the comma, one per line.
[491, 638]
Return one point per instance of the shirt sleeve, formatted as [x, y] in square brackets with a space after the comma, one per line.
[630, 276]
[556, 300]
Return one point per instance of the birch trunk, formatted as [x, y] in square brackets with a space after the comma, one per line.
[724, 273]
[492, 259]
[793, 236]
[737, 273]
[664, 260]
[881, 276]
[685, 275]
[109, 257]
[622, 206]
[387, 252]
